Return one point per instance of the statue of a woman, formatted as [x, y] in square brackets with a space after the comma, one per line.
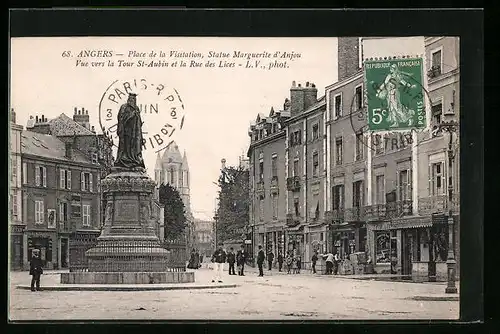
[130, 135]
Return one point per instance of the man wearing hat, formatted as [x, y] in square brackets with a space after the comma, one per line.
[260, 261]
[35, 270]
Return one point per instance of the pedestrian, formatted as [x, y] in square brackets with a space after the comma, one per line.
[336, 261]
[289, 262]
[260, 261]
[241, 257]
[197, 264]
[299, 264]
[36, 270]
[294, 265]
[231, 259]
[218, 258]
[329, 262]
[280, 261]
[270, 258]
[191, 260]
[314, 259]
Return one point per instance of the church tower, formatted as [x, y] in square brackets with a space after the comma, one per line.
[171, 167]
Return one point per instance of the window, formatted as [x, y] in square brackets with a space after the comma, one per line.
[86, 182]
[274, 167]
[13, 200]
[315, 131]
[261, 171]
[51, 218]
[14, 168]
[296, 206]
[296, 138]
[65, 179]
[382, 247]
[315, 164]
[357, 194]
[379, 144]
[275, 205]
[380, 189]
[40, 176]
[86, 214]
[338, 197]
[172, 176]
[436, 62]
[404, 185]
[39, 212]
[25, 173]
[338, 151]
[437, 112]
[338, 106]
[63, 212]
[437, 187]
[358, 97]
[359, 147]
[181, 178]
[94, 158]
[261, 208]
[295, 167]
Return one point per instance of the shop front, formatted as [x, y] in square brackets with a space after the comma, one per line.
[16, 247]
[275, 242]
[46, 242]
[295, 241]
[348, 238]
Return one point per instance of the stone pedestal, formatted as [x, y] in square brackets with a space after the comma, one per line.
[128, 242]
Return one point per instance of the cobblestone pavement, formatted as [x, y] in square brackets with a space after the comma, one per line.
[276, 297]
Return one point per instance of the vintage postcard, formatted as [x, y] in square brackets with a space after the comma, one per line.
[224, 178]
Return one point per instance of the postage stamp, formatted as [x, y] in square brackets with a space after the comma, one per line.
[161, 107]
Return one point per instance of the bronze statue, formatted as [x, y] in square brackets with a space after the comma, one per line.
[130, 135]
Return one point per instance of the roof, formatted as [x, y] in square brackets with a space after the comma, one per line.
[66, 126]
[48, 146]
[172, 154]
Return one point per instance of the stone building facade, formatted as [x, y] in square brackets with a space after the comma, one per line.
[60, 195]
[380, 197]
[16, 226]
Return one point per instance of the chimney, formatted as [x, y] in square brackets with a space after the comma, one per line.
[348, 57]
[12, 116]
[93, 129]
[76, 110]
[36, 119]
[69, 150]
[310, 95]
[43, 118]
[296, 99]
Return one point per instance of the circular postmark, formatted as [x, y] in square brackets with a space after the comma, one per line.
[392, 104]
[161, 109]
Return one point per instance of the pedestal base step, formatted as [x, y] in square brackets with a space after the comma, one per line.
[127, 277]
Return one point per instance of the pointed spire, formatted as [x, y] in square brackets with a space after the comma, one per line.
[158, 164]
[185, 161]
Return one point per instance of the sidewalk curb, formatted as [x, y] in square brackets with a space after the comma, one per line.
[435, 298]
[118, 287]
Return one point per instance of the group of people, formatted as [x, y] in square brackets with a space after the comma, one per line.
[220, 257]
[293, 263]
[195, 260]
[331, 261]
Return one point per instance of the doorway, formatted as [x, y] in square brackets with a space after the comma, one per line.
[64, 253]
[408, 244]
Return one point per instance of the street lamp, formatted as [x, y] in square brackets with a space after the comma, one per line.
[450, 127]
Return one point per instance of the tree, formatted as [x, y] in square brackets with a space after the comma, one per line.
[233, 206]
[174, 212]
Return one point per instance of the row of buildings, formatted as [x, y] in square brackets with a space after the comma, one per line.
[319, 183]
[55, 196]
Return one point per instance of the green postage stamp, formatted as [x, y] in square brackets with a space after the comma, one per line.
[395, 94]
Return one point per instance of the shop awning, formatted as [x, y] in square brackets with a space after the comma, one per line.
[404, 223]
[317, 224]
[295, 229]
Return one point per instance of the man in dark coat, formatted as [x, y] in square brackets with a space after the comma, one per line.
[314, 259]
[218, 258]
[231, 259]
[35, 270]
[270, 258]
[280, 261]
[241, 257]
[260, 261]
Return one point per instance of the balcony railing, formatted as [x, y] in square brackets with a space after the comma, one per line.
[438, 204]
[434, 71]
[292, 220]
[354, 214]
[259, 187]
[388, 210]
[338, 215]
[293, 183]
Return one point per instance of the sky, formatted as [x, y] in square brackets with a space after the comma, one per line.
[219, 102]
